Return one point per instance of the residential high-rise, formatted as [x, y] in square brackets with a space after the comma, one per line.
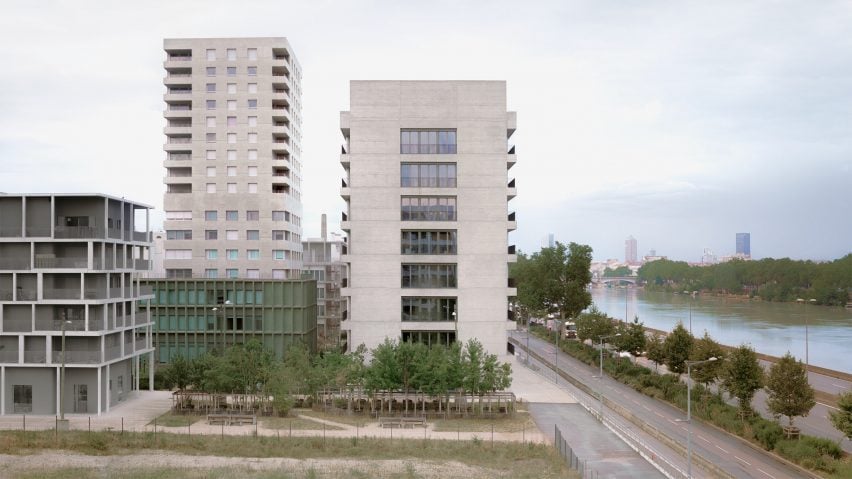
[69, 300]
[427, 197]
[233, 172]
[322, 263]
[630, 250]
[744, 244]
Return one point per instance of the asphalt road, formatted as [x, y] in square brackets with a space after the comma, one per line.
[726, 452]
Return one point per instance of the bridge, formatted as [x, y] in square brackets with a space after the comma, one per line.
[614, 279]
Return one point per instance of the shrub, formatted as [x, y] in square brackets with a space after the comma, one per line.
[767, 433]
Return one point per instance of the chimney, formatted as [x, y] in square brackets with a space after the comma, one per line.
[323, 228]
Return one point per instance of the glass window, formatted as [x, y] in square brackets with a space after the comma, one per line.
[178, 234]
[232, 54]
[252, 53]
[252, 87]
[232, 187]
[232, 88]
[232, 121]
[211, 234]
[232, 235]
[211, 187]
[252, 235]
[178, 215]
[278, 235]
[211, 88]
[232, 71]
[210, 215]
[252, 187]
[278, 216]
[252, 104]
[211, 71]
[211, 253]
[232, 155]
[428, 309]
[211, 154]
[252, 171]
[428, 242]
[252, 215]
[439, 141]
[232, 138]
[428, 275]
[252, 137]
[252, 71]
[252, 155]
[211, 54]
[211, 137]
[211, 121]
[252, 121]
[232, 171]
[211, 171]
[231, 215]
[427, 175]
[232, 105]
[211, 104]
[278, 274]
[232, 254]
[252, 273]
[211, 273]
[253, 254]
[278, 254]
[232, 273]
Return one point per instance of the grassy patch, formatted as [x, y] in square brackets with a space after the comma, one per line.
[353, 420]
[295, 423]
[518, 423]
[176, 420]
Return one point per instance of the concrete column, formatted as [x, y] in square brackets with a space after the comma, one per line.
[2, 390]
[58, 373]
[20, 349]
[151, 371]
[52, 215]
[90, 254]
[108, 389]
[99, 390]
[137, 359]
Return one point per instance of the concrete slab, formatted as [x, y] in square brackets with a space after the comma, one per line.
[531, 386]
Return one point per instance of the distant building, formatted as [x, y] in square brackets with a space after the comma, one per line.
[708, 257]
[630, 250]
[744, 245]
[321, 261]
[548, 241]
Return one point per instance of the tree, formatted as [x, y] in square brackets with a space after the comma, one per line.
[656, 351]
[742, 376]
[178, 373]
[842, 418]
[632, 337]
[677, 347]
[555, 280]
[789, 393]
[621, 271]
[702, 350]
[593, 325]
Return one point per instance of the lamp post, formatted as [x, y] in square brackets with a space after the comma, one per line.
[689, 365]
[216, 310]
[558, 323]
[64, 425]
[692, 297]
[803, 302]
[600, 393]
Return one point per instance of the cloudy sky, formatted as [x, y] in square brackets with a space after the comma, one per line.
[680, 123]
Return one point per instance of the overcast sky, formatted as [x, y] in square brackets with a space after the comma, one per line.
[680, 123]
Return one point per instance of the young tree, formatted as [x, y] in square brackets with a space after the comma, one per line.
[656, 351]
[593, 325]
[702, 350]
[178, 373]
[677, 347]
[742, 376]
[842, 419]
[789, 393]
[554, 280]
[632, 339]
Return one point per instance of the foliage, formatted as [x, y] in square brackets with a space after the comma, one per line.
[620, 271]
[177, 373]
[593, 325]
[632, 339]
[789, 393]
[677, 348]
[742, 376]
[554, 280]
[702, 350]
[655, 350]
[842, 419]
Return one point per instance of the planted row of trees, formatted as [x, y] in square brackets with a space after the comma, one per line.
[770, 279]
[396, 366]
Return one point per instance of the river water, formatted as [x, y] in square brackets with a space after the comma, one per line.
[770, 328]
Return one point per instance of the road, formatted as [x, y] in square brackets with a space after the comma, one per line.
[730, 454]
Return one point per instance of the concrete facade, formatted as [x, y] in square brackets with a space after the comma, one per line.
[70, 264]
[322, 263]
[233, 158]
[450, 282]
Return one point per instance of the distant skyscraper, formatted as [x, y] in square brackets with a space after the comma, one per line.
[548, 241]
[630, 250]
[744, 244]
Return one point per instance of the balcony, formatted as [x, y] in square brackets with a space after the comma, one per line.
[513, 255]
[345, 224]
[280, 172]
[345, 191]
[280, 139]
[35, 357]
[14, 263]
[180, 140]
[77, 232]
[179, 156]
[179, 188]
[512, 224]
[112, 352]
[56, 325]
[17, 325]
[57, 263]
[140, 345]
[35, 231]
[77, 357]
[281, 54]
[8, 356]
[511, 159]
[61, 293]
[181, 109]
[512, 190]
[179, 172]
[280, 72]
[279, 188]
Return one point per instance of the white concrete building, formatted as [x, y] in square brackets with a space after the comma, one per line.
[233, 172]
[69, 268]
[427, 191]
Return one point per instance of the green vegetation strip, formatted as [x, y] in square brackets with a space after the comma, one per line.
[525, 460]
[822, 456]
[176, 420]
[353, 420]
[520, 422]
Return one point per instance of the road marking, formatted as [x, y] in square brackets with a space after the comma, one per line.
[702, 438]
[839, 385]
[722, 449]
[646, 407]
[828, 406]
[743, 460]
[658, 414]
[768, 474]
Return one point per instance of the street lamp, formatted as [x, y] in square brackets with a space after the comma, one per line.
[215, 310]
[803, 302]
[602, 343]
[558, 323]
[689, 365]
[692, 296]
[62, 381]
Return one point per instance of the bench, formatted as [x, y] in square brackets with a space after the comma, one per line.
[402, 422]
[231, 419]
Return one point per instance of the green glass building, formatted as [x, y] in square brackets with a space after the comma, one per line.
[193, 316]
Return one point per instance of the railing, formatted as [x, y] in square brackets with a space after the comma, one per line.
[141, 236]
[180, 75]
[14, 263]
[28, 294]
[180, 156]
[77, 357]
[115, 292]
[180, 58]
[17, 325]
[56, 325]
[8, 356]
[512, 183]
[112, 352]
[179, 140]
[5, 296]
[61, 262]
[179, 91]
[571, 459]
[140, 344]
[78, 232]
[146, 290]
[512, 283]
[62, 293]
[38, 231]
[180, 108]
[96, 324]
[35, 357]
[511, 216]
[142, 264]
[10, 232]
[94, 294]
[114, 233]
[344, 282]
[179, 124]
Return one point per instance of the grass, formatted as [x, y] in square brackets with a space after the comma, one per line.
[176, 420]
[295, 423]
[522, 460]
[353, 420]
[520, 422]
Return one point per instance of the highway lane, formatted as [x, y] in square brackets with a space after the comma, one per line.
[721, 449]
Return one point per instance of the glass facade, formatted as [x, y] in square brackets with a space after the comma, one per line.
[435, 142]
[428, 208]
[428, 275]
[430, 338]
[428, 308]
[428, 242]
[427, 175]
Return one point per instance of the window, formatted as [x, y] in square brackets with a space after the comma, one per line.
[252, 235]
[252, 137]
[231, 215]
[252, 155]
[429, 338]
[252, 187]
[211, 54]
[232, 54]
[211, 187]
[211, 253]
[252, 71]
[428, 242]
[252, 171]
[232, 71]
[232, 88]
[232, 155]
[232, 254]
[232, 235]
[178, 215]
[253, 254]
[211, 154]
[252, 53]
[428, 208]
[252, 104]
[428, 308]
[252, 121]
[232, 138]
[278, 274]
[211, 273]
[232, 121]
[211, 171]
[179, 273]
[278, 215]
[278, 254]
[211, 122]
[211, 88]
[278, 235]
[232, 187]
[232, 105]
[211, 234]
[232, 273]
[428, 275]
[232, 171]
[178, 234]
[211, 137]
[252, 87]
[211, 215]
[427, 142]
[178, 254]
[23, 398]
[211, 71]
[211, 104]
[252, 215]
[427, 175]
[253, 273]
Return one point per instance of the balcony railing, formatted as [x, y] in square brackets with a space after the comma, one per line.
[142, 236]
[96, 324]
[180, 107]
[8, 356]
[180, 156]
[179, 140]
[145, 290]
[35, 357]
[112, 352]
[38, 231]
[179, 91]
[61, 262]
[115, 292]
[140, 344]
[61, 231]
[56, 325]
[511, 216]
[142, 264]
[5, 296]
[77, 357]
[511, 249]
[14, 263]
[10, 232]
[61, 293]
[27, 294]
[180, 58]
[180, 75]
[17, 325]
[512, 283]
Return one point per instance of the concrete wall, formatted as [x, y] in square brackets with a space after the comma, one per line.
[43, 381]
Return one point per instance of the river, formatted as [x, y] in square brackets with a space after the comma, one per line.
[770, 328]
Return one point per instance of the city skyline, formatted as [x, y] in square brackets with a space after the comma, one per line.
[680, 133]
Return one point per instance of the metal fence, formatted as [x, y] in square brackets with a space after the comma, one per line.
[571, 459]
